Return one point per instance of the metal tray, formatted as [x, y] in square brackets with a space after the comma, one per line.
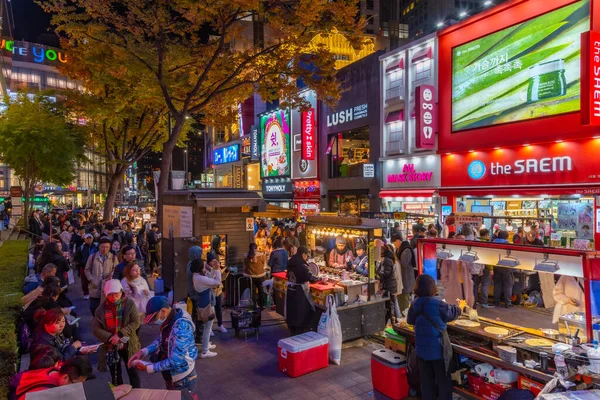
[480, 330]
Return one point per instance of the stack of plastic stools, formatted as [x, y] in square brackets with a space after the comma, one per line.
[388, 373]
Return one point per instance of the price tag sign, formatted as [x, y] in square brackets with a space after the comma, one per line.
[249, 224]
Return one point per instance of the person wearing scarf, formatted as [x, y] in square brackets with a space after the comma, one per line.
[117, 318]
[341, 254]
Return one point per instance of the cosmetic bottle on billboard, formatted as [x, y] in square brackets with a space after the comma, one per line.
[547, 80]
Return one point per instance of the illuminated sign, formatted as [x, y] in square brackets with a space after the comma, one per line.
[32, 52]
[526, 71]
[349, 115]
[275, 144]
[226, 154]
[590, 63]
[426, 117]
[254, 145]
[309, 139]
[410, 174]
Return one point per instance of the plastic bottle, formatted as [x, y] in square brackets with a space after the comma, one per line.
[596, 329]
[561, 365]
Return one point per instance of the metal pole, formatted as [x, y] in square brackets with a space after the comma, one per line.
[171, 166]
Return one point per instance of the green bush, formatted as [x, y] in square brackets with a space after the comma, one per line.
[13, 259]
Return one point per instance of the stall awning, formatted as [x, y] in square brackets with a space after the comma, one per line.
[406, 193]
[395, 116]
[422, 54]
[567, 190]
[274, 211]
[395, 65]
[225, 198]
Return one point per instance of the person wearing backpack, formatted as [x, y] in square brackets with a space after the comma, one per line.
[429, 316]
[82, 255]
[405, 254]
[98, 269]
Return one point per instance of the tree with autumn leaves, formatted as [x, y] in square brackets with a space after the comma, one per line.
[196, 58]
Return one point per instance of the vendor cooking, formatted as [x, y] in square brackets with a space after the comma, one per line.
[341, 254]
[360, 264]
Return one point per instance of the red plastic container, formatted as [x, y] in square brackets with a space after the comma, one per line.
[489, 391]
[301, 354]
[388, 373]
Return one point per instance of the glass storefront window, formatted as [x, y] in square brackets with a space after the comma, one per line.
[253, 176]
[347, 151]
[350, 204]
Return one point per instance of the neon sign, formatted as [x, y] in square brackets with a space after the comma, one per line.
[32, 52]
[409, 174]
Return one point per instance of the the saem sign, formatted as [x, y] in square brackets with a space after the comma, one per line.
[553, 164]
[590, 68]
[32, 52]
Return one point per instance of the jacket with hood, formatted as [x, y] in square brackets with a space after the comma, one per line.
[568, 287]
[177, 335]
[407, 266]
[385, 271]
[194, 254]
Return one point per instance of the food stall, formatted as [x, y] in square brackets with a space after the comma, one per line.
[360, 308]
[526, 343]
[405, 219]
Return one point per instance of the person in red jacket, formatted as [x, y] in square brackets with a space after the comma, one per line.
[74, 370]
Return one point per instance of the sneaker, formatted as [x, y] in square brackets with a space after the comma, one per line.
[508, 305]
[488, 306]
[212, 334]
[212, 346]
[222, 329]
[208, 354]
[86, 297]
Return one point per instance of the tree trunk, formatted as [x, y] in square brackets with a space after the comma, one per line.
[27, 192]
[165, 166]
[109, 204]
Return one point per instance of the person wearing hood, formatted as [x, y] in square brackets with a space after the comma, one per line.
[254, 268]
[408, 264]
[299, 305]
[174, 352]
[341, 254]
[194, 254]
[116, 318]
[361, 263]
[387, 275]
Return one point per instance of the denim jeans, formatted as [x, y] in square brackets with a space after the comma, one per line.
[206, 335]
[189, 383]
[94, 303]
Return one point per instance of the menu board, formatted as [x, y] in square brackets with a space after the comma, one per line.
[526, 71]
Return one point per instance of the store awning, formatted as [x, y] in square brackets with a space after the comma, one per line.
[395, 65]
[541, 191]
[274, 211]
[225, 198]
[406, 193]
[395, 116]
[422, 54]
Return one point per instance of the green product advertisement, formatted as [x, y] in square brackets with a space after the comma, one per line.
[526, 71]
[275, 144]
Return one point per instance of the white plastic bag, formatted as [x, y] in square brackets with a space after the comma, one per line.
[330, 326]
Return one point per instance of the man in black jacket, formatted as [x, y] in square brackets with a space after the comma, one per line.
[82, 254]
[153, 259]
[387, 276]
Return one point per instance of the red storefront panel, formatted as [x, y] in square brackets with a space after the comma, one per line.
[564, 126]
[549, 165]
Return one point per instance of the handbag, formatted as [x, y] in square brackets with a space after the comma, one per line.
[206, 314]
[447, 350]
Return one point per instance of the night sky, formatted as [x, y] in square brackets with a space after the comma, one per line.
[31, 23]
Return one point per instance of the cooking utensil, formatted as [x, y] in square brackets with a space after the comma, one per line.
[568, 329]
[549, 333]
[577, 333]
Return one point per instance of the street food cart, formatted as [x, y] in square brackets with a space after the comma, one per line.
[360, 308]
[523, 339]
[199, 218]
[405, 219]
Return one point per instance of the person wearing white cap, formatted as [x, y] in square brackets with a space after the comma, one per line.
[82, 254]
[116, 319]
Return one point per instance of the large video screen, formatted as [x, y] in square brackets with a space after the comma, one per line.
[275, 144]
[526, 71]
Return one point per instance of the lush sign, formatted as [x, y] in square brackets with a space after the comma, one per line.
[529, 70]
[275, 144]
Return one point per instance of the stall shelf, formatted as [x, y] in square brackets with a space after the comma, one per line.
[358, 319]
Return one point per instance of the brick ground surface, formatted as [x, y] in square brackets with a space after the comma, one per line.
[248, 369]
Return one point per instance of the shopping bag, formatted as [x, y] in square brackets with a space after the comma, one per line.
[330, 326]
[71, 277]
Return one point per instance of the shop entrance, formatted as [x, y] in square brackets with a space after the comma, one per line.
[347, 151]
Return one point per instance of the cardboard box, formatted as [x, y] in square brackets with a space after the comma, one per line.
[527, 384]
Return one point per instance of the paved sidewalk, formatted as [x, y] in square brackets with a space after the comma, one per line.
[248, 370]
